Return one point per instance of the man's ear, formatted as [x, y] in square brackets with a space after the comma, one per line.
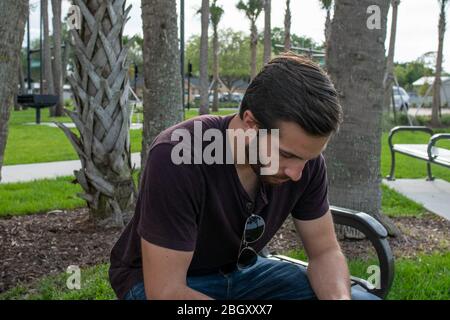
[249, 120]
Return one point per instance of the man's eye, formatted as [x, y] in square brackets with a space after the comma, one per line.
[285, 155]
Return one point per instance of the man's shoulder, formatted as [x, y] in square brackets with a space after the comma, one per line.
[202, 122]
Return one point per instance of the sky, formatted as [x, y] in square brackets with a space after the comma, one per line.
[416, 35]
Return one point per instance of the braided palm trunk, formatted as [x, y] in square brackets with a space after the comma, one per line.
[100, 85]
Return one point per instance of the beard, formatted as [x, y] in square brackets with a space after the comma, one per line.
[272, 180]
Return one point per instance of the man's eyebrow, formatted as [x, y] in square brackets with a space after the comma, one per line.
[291, 154]
[299, 157]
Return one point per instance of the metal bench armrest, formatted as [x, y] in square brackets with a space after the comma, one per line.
[397, 129]
[435, 138]
[377, 235]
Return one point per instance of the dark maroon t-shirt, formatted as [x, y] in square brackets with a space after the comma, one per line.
[203, 208]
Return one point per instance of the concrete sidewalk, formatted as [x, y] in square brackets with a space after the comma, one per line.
[47, 170]
[433, 195]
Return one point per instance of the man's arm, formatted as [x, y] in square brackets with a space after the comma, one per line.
[327, 269]
[165, 272]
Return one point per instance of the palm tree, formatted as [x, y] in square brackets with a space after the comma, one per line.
[216, 14]
[57, 54]
[326, 5]
[13, 15]
[287, 27]
[252, 9]
[267, 31]
[48, 87]
[437, 82]
[101, 87]
[389, 75]
[163, 106]
[355, 152]
[204, 81]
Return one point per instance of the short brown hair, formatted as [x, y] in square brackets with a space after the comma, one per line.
[293, 88]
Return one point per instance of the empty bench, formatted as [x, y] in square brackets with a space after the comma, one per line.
[426, 152]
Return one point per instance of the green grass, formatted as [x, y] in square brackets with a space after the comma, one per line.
[39, 196]
[393, 204]
[32, 144]
[423, 278]
[94, 286]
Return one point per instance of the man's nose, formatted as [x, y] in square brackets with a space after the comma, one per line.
[295, 172]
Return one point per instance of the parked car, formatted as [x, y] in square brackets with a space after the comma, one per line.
[401, 98]
[234, 97]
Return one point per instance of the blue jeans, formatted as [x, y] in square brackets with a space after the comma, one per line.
[266, 280]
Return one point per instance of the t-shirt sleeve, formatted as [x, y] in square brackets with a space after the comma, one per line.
[170, 201]
[313, 203]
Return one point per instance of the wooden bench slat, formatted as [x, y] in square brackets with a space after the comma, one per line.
[420, 150]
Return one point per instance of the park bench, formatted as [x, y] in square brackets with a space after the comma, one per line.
[426, 152]
[375, 233]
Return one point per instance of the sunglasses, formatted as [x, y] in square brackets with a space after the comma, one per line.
[254, 229]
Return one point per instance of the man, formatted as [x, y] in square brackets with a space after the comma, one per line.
[198, 226]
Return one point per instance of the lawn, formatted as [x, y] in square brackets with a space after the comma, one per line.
[425, 277]
[41, 196]
[31, 143]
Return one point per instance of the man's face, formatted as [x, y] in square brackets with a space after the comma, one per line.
[296, 148]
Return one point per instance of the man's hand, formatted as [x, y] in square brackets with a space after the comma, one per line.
[165, 273]
[327, 269]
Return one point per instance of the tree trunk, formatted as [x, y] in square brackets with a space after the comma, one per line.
[162, 92]
[57, 54]
[267, 31]
[101, 88]
[215, 106]
[204, 81]
[435, 121]
[13, 16]
[389, 74]
[287, 27]
[47, 79]
[356, 62]
[65, 63]
[22, 89]
[328, 26]
[253, 49]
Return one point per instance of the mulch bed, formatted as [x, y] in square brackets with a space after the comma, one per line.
[38, 245]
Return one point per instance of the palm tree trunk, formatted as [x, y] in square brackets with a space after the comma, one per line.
[163, 105]
[57, 54]
[204, 81]
[253, 49]
[215, 106]
[101, 88]
[267, 31]
[354, 154]
[389, 75]
[287, 27]
[48, 86]
[13, 16]
[435, 121]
